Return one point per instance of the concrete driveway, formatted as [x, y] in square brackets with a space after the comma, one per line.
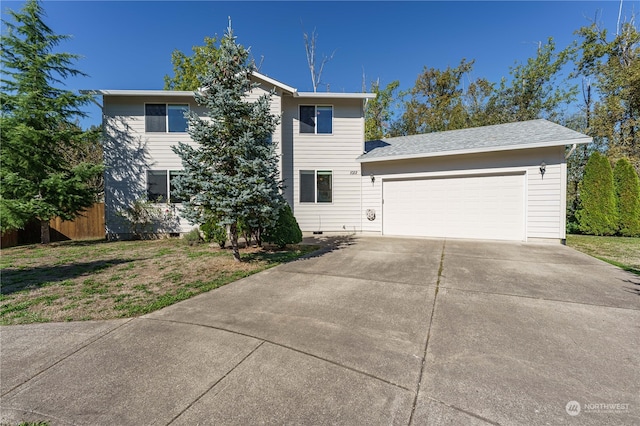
[375, 331]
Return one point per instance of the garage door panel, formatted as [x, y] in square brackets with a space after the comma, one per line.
[489, 207]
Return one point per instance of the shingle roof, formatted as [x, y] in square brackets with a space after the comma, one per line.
[500, 137]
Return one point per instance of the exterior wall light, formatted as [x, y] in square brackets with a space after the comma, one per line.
[543, 168]
[373, 178]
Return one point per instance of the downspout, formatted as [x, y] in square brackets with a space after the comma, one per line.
[364, 109]
[566, 157]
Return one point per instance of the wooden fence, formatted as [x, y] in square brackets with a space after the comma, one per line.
[89, 225]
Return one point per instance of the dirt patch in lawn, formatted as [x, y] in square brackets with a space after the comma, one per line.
[103, 280]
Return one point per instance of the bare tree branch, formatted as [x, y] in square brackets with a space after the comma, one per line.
[310, 49]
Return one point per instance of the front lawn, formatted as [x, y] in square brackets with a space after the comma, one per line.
[95, 280]
[623, 252]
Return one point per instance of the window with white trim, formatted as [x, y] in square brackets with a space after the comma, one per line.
[316, 119]
[316, 186]
[165, 118]
[160, 186]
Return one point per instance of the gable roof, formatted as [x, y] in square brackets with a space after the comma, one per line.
[499, 137]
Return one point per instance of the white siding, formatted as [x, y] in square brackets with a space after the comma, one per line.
[130, 151]
[545, 208]
[275, 109]
[336, 152]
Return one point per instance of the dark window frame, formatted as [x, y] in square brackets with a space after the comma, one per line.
[318, 195]
[150, 124]
[310, 118]
[163, 193]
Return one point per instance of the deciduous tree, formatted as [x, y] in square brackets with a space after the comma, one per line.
[187, 69]
[378, 112]
[612, 65]
[536, 88]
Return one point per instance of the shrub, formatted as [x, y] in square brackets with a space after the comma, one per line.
[286, 231]
[627, 185]
[213, 232]
[193, 237]
[598, 214]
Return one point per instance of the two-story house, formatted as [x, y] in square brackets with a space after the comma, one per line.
[503, 182]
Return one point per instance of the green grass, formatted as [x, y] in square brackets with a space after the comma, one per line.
[623, 252]
[93, 280]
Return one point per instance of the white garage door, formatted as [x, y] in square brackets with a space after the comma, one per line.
[483, 207]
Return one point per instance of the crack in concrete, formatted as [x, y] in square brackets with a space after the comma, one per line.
[83, 345]
[524, 296]
[337, 364]
[469, 413]
[356, 278]
[216, 383]
[426, 344]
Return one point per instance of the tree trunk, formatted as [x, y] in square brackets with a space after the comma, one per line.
[232, 233]
[258, 236]
[45, 232]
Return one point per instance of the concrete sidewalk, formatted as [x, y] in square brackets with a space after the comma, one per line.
[373, 331]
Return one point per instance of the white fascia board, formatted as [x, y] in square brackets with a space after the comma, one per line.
[164, 93]
[274, 82]
[335, 95]
[475, 150]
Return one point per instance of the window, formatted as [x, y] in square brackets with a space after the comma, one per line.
[316, 186]
[160, 117]
[316, 119]
[160, 188]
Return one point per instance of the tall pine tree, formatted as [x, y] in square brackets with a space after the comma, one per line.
[232, 174]
[36, 180]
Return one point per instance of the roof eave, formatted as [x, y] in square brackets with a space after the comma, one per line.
[565, 142]
[165, 93]
[276, 83]
[335, 95]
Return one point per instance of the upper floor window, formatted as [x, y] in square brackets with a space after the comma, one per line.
[316, 119]
[162, 118]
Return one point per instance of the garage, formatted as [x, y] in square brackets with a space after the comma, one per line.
[500, 182]
[481, 206]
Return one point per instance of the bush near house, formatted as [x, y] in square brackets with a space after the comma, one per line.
[627, 186]
[598, 214]
[286, 230]
[213, 232]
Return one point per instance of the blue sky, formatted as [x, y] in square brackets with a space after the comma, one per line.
[128, 44]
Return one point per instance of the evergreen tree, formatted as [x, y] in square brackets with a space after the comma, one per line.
[627, 185]
[598, 214]
[286, 230]
[36, 180]
[232, 174]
